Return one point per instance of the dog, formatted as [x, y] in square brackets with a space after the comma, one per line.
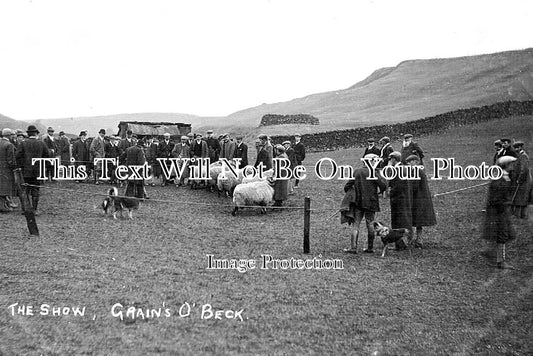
[389, 236]
[114, 204]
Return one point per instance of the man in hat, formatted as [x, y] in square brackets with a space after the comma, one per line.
[125, 143]
[409, 147]
[281, 186]
[182, 151]
[80, 152]
[134, 156]
[112, 151]
[385, 151]
[498, 226]
[371, 148]
[299, 152]
[262, 153]
[507, 148]
[7, 179]
[498, 147]
[63, 148]
[198, 151]
[97, 150]
[401, 198]
[51, 144]
[241, 151]
[164, 150]
[27, 150]
[21, 135]
[361, 201]
[213, 145]
[227, 147]
[521, 179]
[289, 151]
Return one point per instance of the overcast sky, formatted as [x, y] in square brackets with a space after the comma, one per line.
[66, 58]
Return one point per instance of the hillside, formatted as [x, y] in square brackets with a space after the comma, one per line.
[7, 122]
[411, 90]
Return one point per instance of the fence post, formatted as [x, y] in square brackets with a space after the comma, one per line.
[307, 221]
[25, 204]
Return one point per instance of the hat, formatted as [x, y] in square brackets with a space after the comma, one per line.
[134, 136]
[190, 134]
[518, 144]
[101, 131]
[297, 135]
[140, 142]
[385, 139]
[209, 131]
[198, 135]
[83, 133]
[50, 129]
[397, 155]
[61, 133]
[262, 137]
[505, 160]
[21, 133]
[184, 138]
[240, 137]
[498, 142]
[129, 132]
[166, 134]
[505, 140]
[32, 128]
[280, 148]
[7, 132]
[371, 156]
[286, 143]
[406, 136]
[412, 158]
[371, 139]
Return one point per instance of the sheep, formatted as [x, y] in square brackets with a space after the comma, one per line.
[228, 184]
[254, 193]
[255, 178]
[214, 170]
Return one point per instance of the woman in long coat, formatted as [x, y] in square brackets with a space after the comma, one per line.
[422, 212]
[281, 186]
[7, 164]
[498, 227]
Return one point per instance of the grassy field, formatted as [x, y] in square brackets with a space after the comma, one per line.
[444, 299]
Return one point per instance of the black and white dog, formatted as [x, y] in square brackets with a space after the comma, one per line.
[389, 236]
[114, 204]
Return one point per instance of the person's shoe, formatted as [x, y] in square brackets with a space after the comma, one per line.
[417, 244]
[350, 250]
[504, 265]
[368, 250]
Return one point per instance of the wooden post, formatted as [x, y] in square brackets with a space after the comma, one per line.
[307, 221]
[26, 204]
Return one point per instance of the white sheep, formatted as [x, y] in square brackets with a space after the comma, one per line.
[255, 193]
[228, 184]
[255, 178]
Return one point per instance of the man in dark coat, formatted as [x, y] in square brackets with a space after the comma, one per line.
[263, 154]
[7, 165]
[135, 157]
[227, 147]
[385, 151]
[125, 143]
[213, 146]
[507, 148]
[27, 150]
[51, 144]
[522, 180]
[182, 151]
[299, 152]
[164, 150]
[241, 151]
[80, 152]
[281, 186]
[361, 201]
[498, 226]
[422, 210]
[292, 163]
[63, 148]
[409, 147]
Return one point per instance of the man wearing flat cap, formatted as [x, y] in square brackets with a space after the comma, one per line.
[522, 182]
[51, 144]
[227, 147]
[281, 186]
[371, 148]
[385, 151]
[164, 150]
[507, 148]
[409, 147]
[63, 148]
[80, 152]
[21, 135]
[181, 151]
[7, 165]
[97, 150]
[27, 150]
[213, 146]
[241, 151]
[263, 155]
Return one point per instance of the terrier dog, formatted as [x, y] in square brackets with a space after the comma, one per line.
[389, 236]
[114, 204]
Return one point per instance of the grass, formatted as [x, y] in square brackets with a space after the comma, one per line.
[444, 299]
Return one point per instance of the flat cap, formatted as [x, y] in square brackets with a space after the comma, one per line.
[286, 143]
[297, 135]
[406, 136]
[505, 140]
[371, 139]
[101, 131]
[166, 134]
[262, 137]
[371, 156]
[412, 158]
[209, 131]
[385, 139]
[280, 148]
[50, 129]
[7, 132]
[184, 138]
[518, 144]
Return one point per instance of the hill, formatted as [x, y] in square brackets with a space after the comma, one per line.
[7, 122]
[411, 90]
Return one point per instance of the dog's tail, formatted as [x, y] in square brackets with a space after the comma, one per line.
[113, 191]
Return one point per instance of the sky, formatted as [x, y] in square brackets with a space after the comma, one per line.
[72, 58]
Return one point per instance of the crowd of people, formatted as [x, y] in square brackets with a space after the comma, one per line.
[19, 147]
[411, 205]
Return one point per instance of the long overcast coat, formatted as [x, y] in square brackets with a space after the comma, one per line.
[498, 225]
[521, 180]
[7, 164]
[423, 213]
[281, 186]
[401, 198]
